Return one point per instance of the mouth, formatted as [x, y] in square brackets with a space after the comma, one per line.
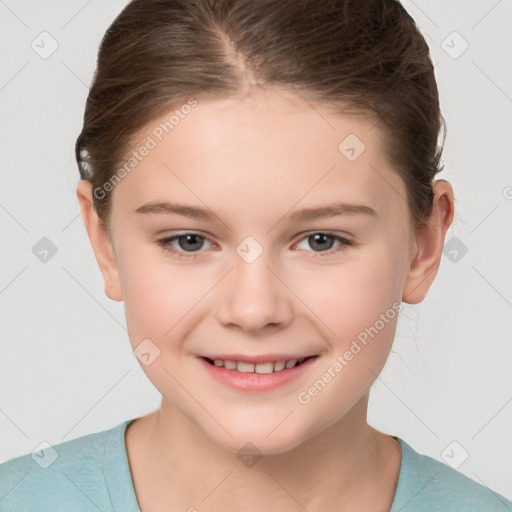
[257, 374]
[266, 367]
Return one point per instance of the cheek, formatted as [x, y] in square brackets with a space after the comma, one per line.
[158, 294]
[352, 296]
[162, 296]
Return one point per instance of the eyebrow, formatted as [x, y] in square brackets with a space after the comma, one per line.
[194, 212]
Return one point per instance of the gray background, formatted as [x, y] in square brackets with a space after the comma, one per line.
[66, 366]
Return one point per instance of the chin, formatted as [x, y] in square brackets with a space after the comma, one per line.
[253, 445]
[261, 439]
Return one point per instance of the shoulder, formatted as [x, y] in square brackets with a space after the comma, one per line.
[426, 484]
[64, 477]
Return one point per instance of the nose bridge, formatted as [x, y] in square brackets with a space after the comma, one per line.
[254, 296]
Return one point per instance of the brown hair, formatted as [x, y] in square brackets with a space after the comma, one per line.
[357, 56]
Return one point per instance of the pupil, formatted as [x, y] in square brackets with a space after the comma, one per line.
[320, 236]
[192, 238]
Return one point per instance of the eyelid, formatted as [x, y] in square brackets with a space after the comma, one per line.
[166, 239]
[177, 234]
[345, 242]
[344, 235]
[166, 243]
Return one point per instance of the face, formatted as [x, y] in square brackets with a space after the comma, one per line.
[254, 276]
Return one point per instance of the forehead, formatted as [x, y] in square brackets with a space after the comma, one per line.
[270, 148]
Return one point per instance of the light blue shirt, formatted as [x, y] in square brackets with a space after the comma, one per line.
[91, 473]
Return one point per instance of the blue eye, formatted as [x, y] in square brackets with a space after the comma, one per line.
[190, 243]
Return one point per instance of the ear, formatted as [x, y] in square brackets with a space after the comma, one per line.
[101, 243]
[429, 245]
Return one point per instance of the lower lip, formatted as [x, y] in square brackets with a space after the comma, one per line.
[256, 381]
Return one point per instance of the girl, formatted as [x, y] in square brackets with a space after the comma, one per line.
[258, 186]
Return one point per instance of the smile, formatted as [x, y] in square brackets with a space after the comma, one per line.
[261, 368]
[256, 376]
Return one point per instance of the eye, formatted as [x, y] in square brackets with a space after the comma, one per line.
[188, 243]
[325, 241]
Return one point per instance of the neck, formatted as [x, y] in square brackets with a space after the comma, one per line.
[173, 461]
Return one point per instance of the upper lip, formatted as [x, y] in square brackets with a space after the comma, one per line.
[261, 358]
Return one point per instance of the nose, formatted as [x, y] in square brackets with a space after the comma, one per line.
[255, 299]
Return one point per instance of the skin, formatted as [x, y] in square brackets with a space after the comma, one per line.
[253, 161]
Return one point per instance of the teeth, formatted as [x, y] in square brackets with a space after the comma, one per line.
[245, 367]
[261, 368]
[279, 365]
[264, 368]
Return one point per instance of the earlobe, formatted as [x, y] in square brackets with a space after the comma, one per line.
[429, 242]
[100, 241]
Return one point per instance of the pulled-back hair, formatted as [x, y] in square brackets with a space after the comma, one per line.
[358, 56]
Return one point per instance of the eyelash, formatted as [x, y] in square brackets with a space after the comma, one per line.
[165, 243]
